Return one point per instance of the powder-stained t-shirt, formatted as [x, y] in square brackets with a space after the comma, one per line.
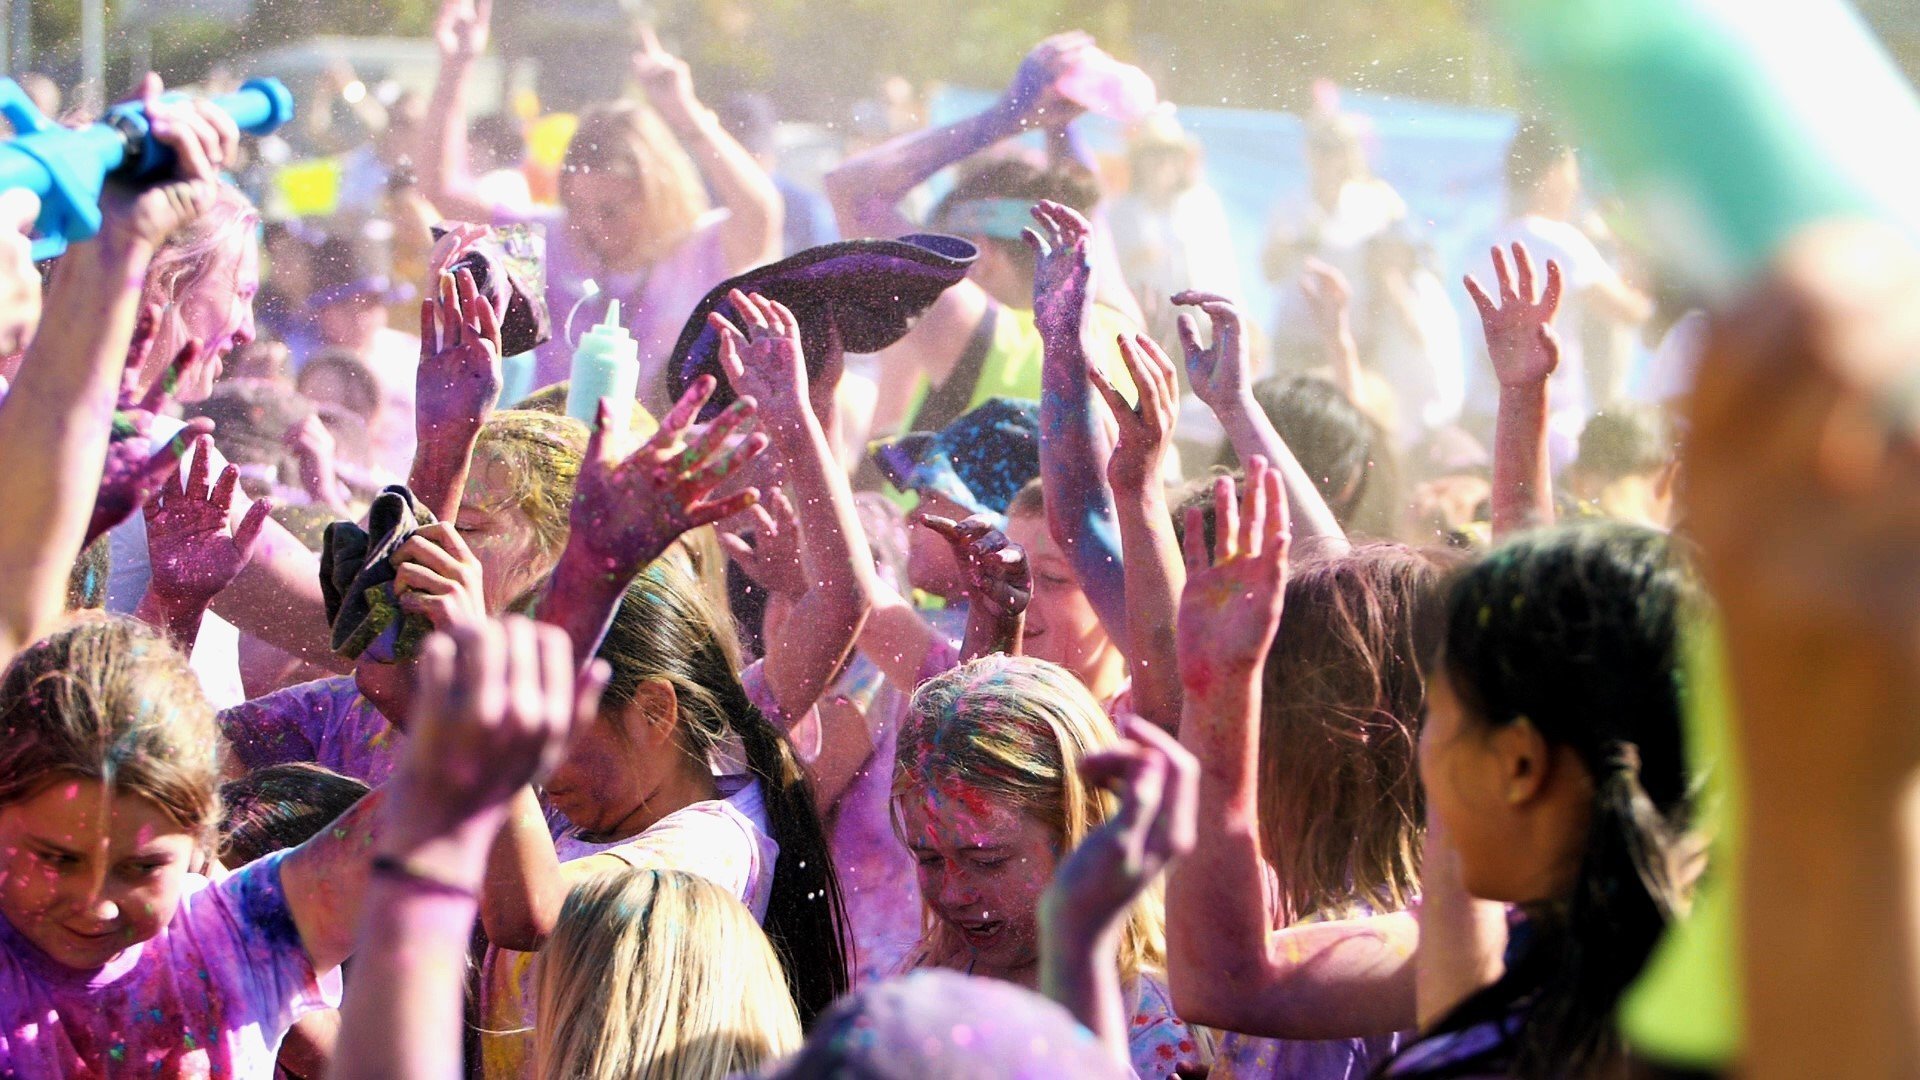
[1160, 1043]
[212, 994]
[327, 722]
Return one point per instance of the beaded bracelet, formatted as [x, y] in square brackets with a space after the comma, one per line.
[396, 868]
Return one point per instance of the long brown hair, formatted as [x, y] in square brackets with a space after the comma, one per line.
[666, 630]
[1342, 697]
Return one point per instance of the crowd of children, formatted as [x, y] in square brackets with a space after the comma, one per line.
[1112, 713]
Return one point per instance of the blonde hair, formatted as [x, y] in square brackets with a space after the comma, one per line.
[542, 453]
[1017, 729]
[188, 255]
[110, 699]
[659, 975]
[632, 142]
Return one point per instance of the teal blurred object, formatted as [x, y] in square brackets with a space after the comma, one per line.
[68, 167]
[1729, 123]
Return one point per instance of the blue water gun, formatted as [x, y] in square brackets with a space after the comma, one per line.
[67, 167]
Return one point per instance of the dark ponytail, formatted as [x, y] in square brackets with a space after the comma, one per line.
[666, 629]
[1577, 630]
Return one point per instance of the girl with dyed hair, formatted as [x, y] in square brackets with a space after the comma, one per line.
[988, 795]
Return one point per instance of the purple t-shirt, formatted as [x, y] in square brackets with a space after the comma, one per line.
[654, 303]
[212, 994]
[326, 722]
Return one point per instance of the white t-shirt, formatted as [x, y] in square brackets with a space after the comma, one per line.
[216, 652]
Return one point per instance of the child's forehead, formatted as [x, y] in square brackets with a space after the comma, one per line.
[77, 812]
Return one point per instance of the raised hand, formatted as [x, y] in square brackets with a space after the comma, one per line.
[462, 28]
[313, 450]
[203, 139]
[1157, 782]
[135, 469]
[437, 575]
[1063, 270]
[631, 501]
[1520, 338]
[194, 550]
[1221, 373]
[1329, 295]
[666, 79]
[1030, 99]
[995, 569]
[458, 383]
[773, 559]
[1083, 910]
[765, 362]
[1231, 605]
[492, 706]
[1146, 429]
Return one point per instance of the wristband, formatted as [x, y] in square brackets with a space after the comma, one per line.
[396, 868]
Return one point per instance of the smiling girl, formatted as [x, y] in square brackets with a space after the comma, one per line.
[115, 953]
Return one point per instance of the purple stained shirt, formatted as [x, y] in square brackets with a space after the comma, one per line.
[1244, 1057]
[326, 722]
[212, 994]
[654, 303]
[1160, 1043]
[879, 883]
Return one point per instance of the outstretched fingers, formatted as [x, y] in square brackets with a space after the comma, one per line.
[1194, 540]
[1523, 273]
[1550, 299]
[247, 537]
[1226, 519]
[685, 411]
[1253, 513]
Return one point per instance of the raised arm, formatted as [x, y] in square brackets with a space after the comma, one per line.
[1803, 496]
[866, 190]
[1221, 376]
[1217, 915]
[194, 548]
[1525, 351]
[1226, 965]
[631, 501]
[764, 362]
[1463, 941]
[1154, 575]
[55, 421]
[752, 232]
[446, 177]
[1085, 908]
[1331, 297]
[1073, 443]
[494, 705]
[455, 390]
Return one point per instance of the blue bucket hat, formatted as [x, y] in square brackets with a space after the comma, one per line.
[981, 460]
